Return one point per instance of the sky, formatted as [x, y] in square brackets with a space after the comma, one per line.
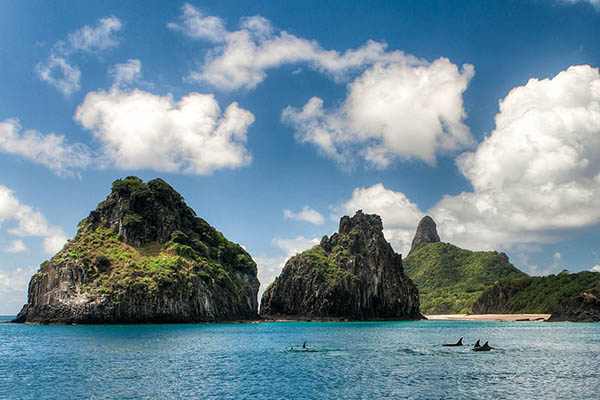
[273, 121]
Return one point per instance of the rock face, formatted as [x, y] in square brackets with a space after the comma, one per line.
[355, 275]
[144, 256]
[583, 308]
[426, 233]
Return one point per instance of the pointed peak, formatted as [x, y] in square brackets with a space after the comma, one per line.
[426, 233]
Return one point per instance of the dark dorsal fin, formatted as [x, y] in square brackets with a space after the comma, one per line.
[477, 343]
[459, 342]
[485, 344]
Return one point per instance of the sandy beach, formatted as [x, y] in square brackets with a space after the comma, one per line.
[490, 317]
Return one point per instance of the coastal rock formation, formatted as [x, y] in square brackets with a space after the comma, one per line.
[584, 307]
[355, 274]
[144, 256]
[568, 297]
[426, 233]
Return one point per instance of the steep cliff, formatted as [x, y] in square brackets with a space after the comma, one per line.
[143, 256]
[354, 274]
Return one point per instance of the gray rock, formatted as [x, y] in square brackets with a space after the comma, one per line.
[426, 233]
[354, 274]
[144, 256]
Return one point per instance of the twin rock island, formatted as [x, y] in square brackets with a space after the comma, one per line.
[144, 256]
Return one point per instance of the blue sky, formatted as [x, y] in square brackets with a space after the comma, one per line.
[274, 121]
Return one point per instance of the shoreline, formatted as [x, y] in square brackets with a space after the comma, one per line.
[489, 317]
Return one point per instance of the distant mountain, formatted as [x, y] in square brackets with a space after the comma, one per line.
[568, 297]
[354, 274]
[450, 279]
[144, 256]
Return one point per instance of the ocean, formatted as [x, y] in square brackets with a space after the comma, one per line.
[347, 360]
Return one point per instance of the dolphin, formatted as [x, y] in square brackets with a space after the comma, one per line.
[477, 344]
[485, 347]
[459, 343]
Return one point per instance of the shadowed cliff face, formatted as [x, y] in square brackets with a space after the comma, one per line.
[426, 233]
[355, 274]
[144, 256]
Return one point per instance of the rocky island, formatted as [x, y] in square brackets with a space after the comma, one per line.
[354, 274]
[144, 256]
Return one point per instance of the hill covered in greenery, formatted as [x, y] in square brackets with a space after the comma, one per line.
[143, 255]
[451, 279]
[552, 294]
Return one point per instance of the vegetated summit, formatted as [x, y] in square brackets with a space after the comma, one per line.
[355, 274]
[144, 256]
[451, 279]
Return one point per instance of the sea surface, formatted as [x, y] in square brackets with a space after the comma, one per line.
[348, 360]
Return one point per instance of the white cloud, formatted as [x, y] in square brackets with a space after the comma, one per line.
[400, 216]
[307, 214]
[16, 246]
[595, 268]
[29, 222]
[242, 57]
[141, 130]
[535, 178]
[295, 246]
[49, 150]
[58, 71]
[194, 24]
[13, 289]
[393, 110]
[92, 39]
[126, 73]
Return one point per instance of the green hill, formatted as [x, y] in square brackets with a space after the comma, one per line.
[538, 294]
[451, 279]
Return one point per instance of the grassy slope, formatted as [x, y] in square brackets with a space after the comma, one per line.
[538, 294]
[116, 267]
[450, 279]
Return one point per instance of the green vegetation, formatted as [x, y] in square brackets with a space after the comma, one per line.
[450, 279]
[113, 267]
[326, 266]
[541, 294]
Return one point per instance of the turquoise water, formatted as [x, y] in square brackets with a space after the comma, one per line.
[347, 360]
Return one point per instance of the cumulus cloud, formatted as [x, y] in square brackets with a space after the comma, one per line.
[29, 222]
[16, 246]
[58, 71]
[270, 267]
[535, 178]
[307, 214]
[595, 268]
[50, 150]
[241, 58]
[393, 110]
[13, 289]
[142, 130]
